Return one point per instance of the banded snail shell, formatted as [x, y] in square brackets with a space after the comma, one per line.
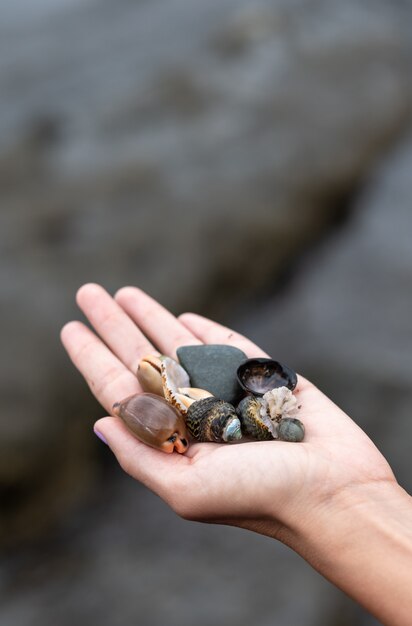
[211, 419]
[254, 421]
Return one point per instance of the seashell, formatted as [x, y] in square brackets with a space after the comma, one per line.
[174, 377]
[280, 403]
[194, 393]
[211, 419]
[272, 416]
[290, 429]
[163, 376]
[153, 421]
[149, 374]
[257, 376]
[254, 419]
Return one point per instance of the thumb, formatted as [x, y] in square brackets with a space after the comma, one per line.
[149, 466]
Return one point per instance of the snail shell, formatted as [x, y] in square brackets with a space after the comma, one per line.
[153, 421]
[254, 421]
[211, 419]
[291, 429]
[272, 416]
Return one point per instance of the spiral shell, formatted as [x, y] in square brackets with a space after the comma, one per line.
[153, 421]
[271, 417]
[254, 421]
[215, 420]
[291, 430]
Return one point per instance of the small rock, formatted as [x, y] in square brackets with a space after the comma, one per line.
[291, 429]
[213, 368]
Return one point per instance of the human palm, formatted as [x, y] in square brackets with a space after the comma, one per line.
[263, 486]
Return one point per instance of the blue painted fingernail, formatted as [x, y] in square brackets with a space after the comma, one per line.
[96, 432]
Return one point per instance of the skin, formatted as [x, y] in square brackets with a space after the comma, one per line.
[332, 498]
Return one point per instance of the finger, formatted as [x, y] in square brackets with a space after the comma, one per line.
[108, 378]
[113, 325]
[160, 326]
[152, 467]
[211, 332]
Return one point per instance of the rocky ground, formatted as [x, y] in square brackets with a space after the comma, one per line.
[247, 160]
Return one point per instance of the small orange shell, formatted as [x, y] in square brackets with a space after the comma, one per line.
[153, 421]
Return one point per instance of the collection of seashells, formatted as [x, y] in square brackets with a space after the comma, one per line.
[170, 408]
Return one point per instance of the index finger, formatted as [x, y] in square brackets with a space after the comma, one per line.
[157, 323]
[212, 332]
[108, 378]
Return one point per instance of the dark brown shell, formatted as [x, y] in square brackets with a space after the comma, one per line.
[211, 419]
[257, 376]
[153, 421]
[251, 421]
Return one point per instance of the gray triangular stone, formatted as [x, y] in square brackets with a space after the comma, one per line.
[213, 367]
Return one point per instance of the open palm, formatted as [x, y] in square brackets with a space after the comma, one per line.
[263, 486]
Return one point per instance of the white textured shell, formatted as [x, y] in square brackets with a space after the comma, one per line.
[174, 377]
[279, 403]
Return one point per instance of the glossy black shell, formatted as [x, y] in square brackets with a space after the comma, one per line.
[257, 376]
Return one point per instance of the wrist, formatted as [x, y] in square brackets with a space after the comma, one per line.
[361, 540]
[339, 522]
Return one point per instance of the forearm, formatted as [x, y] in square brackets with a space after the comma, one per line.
[362, 542]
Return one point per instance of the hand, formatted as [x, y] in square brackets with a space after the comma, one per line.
[264, 486]
[333, 497]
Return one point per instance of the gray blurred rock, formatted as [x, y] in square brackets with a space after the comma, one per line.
[346, 321]
[130, 560]
[194, 149]
[191, 148]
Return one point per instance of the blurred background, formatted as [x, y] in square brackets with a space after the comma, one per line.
[248, 160]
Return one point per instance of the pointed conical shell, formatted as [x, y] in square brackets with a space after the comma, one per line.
[153, 421]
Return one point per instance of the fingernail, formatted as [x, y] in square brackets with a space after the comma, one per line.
[96, 432]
